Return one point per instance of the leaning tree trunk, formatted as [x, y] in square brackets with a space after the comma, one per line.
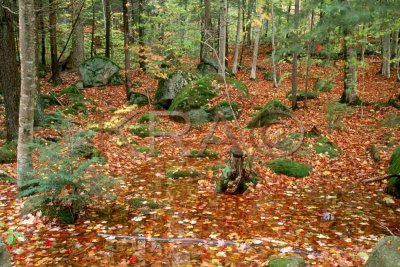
[78, 48]
[295, 55]
[237, 40]
[222, 36]
[29, 84]
[126, 49]
[386, 55]
[55, 69]
[9, 75]
[257, 31]
[274, 79]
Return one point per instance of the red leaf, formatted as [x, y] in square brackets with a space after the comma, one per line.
[133, 259]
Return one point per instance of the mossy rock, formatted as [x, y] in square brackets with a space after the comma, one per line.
[272, 111]
[301, 95]
[324, 146]
[5, 259]
[239, 85]
[394, 165]
[322, 85]
[176, 174]
[208, 66]
[393, 187]
[194, 96]
[386, 253]
[143, 202]
[203, 154]
[289, 167]
[148, 117]
[8, 153]
[98, 71]
[138, 99]
[269, 76]
[224, 108]
[294, 261]
[197, 116]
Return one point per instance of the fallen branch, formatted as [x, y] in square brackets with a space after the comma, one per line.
[380, 178]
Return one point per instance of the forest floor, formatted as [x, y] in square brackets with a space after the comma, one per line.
[280, 216]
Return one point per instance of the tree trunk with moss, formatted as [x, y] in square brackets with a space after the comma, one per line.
[29, 83]
[9, 75]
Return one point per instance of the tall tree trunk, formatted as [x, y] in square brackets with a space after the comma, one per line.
[274, 80]
[126, 49]
[386, 55]
[206, 33]
[29, 83]
[250, 6]
[309, 45]
[243, 31]
[42, 37]
[257, 32]
[393, 45]
[107, 25]
[295, 55]
[93, 30]
[78, 48]
[222, 36]
[55, 69]
[237, 40]
[142, 52]
[350, 95]
[9, 75]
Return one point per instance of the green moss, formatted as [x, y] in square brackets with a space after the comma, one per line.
[194, 96]
[392, 120]
[203, 154]
[269, 114]
[295, 261]
[290, 141]
[301, 95]
[148, 117]
[143, 202]
[143, 130]
[175, 174]
[324, 146]
[225, 109]
[144, 149]
[394, 166]
[323, 85]
[8, 152]
[289, 167]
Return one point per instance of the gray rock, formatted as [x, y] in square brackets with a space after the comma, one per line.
[5, 260]
[386, 253]
[138, 99]
[169, 88]
[294, 261]
[97, 71]
[208, 66]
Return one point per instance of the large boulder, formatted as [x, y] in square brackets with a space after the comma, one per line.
[294, 261]
[393, 186]
[169, 88]
[5, 260]
[386, 253]
[98, 71]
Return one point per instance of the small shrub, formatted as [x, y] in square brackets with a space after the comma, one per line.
[301, 95]
[322, 85]
[8, 152]
[289, 167]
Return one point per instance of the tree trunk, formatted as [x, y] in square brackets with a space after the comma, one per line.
[55, 69]
[237, 40]
[349, 95]
[393, 45]
[309, 45]
[206, 33]
[42, 37]
[92, 52]
[142, 55]
[386, 55]
[257, 31]
[248, 25]
[78, 48]
[29, 84]
[295, 55]
[275, 82]
[9, 75]
[107, 26]
[126, 49]
[222, 36]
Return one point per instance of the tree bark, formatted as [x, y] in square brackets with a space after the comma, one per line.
[237, 40]
[107, 26]
[206, 33]
[92, 52]
[257, 31]
[222, 37]
[386, 55]
[274, 80]
[295, 55]
[126, 49]
[142, 54]
[350, 95]
[9, 75]
[78, 48]
[309, 45]
[29, 83]
[55, 69]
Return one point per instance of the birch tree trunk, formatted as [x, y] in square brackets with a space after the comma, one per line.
[257, 31]
[237, 41]
[386, 55]
[9, 76]
[295, 55]
[78, 39]
[29, 83]
[55, 69]
[126, 48]
[274, 80]
[222, 37]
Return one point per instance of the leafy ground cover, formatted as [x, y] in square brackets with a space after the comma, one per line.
[280, 216]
